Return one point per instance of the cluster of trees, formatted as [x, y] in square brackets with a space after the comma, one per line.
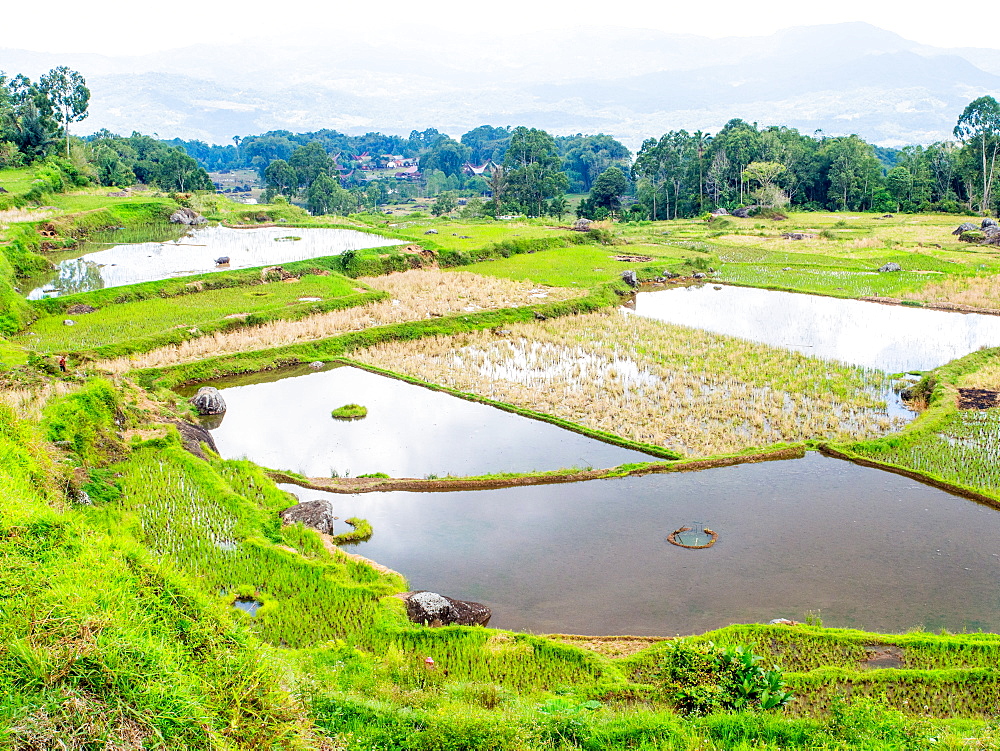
[679, 174]
[35, 120]
[123, 161]
[537, 168]
[33, 114]
[684, 174]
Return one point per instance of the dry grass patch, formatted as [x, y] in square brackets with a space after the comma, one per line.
[975, 291]
[28, 403]
[987, 377]
[684, 389]
[23, 215]
[416, 295]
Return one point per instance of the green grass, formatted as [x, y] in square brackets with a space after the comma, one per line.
[577, 266]
[17, 181]
[150, 322]
[479, 232]
[350, 412]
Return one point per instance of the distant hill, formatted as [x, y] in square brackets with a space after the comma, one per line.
[840, 78]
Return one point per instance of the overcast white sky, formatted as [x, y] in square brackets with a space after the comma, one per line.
[116, 27]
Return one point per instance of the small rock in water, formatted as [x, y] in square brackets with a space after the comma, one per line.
[222, 261]
[316, 365]
[699, 275]
[208, 401]
[630, 278]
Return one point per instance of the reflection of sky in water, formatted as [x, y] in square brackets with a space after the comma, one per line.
[410, 431]
[870, 549]
[893, 338]
[195, 253]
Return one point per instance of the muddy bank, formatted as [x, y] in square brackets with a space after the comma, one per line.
[352, 485]
[952, 306]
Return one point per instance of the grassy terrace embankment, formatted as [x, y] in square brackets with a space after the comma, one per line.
[954, 448]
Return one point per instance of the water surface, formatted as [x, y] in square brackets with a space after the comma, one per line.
[195, 253]
[894, 338]
[282, 420]
[869, 549]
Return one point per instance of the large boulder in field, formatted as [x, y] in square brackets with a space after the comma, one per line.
[991, 235]
[193, 436]
[208, 401]
[432, 609]
[891, 266]
[582, 225]
[315, 514]
[630, 278]
[988, 222]
[187, 216]
[965, 227]
[972, 236]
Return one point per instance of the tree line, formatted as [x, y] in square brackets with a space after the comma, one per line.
[679, 174]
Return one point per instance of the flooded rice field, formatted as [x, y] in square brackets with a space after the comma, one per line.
[893, 338]
[866, 548]
[282, 420]
[195, 253]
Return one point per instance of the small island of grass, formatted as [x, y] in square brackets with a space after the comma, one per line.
[350, 412]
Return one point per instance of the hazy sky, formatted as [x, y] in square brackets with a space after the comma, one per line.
[116, 27]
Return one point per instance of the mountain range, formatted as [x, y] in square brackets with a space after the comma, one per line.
[629, 83]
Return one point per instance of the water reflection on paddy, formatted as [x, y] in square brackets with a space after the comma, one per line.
[282, 420]
[893, 338]
[195, 253]
[867, 548]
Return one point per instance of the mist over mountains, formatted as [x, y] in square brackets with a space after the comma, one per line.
[632, 84]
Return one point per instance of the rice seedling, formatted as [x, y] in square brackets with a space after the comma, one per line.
[415, 295]
[144, 322]
[963, 448]
[684, 389]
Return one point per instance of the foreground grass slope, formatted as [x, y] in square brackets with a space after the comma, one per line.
[119, 629]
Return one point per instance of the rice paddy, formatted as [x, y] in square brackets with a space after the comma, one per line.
[681, 388]
[415, 295]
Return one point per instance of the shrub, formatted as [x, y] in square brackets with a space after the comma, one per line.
[701, 678]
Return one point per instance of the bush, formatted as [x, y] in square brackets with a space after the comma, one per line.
[701, 678]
